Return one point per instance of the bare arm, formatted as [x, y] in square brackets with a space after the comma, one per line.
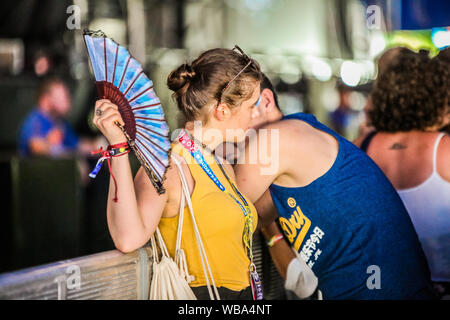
[43, 145]
[136, 214]
[266, 210]
[39, 146]
[281, 252]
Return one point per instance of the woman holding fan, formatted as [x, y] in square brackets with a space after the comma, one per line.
[221, 89]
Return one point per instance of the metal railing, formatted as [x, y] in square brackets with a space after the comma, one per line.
[109, 275]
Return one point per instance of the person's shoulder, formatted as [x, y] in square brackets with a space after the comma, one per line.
[286, 124]
[443, 157]
[33, 115]
[288, 134]
[444, 145]
[33, 121]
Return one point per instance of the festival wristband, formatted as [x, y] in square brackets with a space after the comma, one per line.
[115, 150]
[119, 149]
[274, 240]
[118, 152]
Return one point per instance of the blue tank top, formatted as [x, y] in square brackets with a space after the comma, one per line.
[351, 228]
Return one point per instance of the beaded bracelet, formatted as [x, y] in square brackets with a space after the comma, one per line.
[274, 240]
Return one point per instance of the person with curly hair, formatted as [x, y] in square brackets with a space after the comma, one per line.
[444, 57]
[410, 104]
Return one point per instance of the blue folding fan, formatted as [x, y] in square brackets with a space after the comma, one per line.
[120, 78]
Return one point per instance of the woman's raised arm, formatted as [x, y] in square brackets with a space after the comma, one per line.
[136, 214]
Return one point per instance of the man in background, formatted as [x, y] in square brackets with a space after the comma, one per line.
[45, 132]
[344, 117]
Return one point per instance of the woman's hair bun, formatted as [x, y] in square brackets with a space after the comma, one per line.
[180, 77]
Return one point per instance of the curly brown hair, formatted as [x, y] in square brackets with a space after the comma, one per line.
[411, 94]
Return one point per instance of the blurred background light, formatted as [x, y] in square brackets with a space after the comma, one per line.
[440, 37]
[321, 70]
[377, 44]
[257, 5]
[290, 71]
[12, 55]
[414, 40]
[115, 28]
[357, 101]
[350, 73]
[330, 99]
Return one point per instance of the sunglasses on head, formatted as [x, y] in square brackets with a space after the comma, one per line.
[250, 61]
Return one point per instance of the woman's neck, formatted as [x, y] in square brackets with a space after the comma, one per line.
[208, 138]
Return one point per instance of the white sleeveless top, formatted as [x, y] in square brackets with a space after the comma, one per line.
[428, 205]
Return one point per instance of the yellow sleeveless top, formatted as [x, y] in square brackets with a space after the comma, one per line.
[220, 221]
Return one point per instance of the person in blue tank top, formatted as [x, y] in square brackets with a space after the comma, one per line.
[336, 208]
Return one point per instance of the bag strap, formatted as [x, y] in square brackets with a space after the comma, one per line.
[180, 220]
[162, 245]
[154, 251]
[204, 258]
[180, 256]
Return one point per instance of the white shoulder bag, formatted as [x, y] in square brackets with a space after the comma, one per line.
[170, 279]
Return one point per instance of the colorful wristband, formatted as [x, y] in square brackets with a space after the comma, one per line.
[274, 240]
[115, 150]
[119, 149]
[118, 145]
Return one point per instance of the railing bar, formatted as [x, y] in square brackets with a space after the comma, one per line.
[129, 293]
[32, 294]
[121, 295]
[127, 276]
[36, 297]
[88, 277]
[83, 262]
[106, 276]
[99, 296]
[91, 269]
[29, 277]
[113, 277]
[85, 284]
[117, 273]
[131, 296]
[104, 285]
[100, 290]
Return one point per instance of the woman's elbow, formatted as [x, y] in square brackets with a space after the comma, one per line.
[126, 246]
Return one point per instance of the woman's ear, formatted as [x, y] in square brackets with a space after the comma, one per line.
[222, 112]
